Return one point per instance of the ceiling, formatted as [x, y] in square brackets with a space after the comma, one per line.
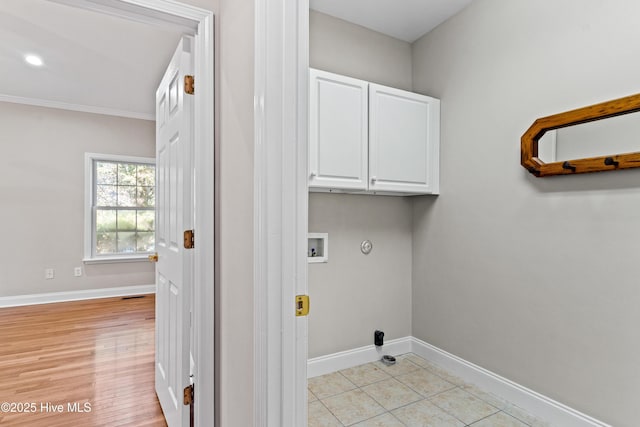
[406, 20]
[105, 64]
[92, 61]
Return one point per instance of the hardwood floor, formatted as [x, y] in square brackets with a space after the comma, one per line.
[95, 356]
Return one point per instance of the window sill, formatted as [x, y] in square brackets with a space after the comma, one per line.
[115, 259]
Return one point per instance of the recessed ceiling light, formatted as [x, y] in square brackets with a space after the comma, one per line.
[34, 60]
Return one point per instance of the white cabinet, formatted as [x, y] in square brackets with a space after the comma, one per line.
[404, 140]
[371, 139]
[338, 132]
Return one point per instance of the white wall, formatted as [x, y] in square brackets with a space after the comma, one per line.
[353, 295]
[532, 278]
[42, 197]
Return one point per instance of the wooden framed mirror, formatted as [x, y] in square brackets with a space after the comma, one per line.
[581, 140]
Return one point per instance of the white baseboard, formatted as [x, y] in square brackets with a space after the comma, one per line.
[18, 300]
[535, 403]
[350, 358]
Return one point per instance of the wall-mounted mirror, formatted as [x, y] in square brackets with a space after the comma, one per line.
[580, 141]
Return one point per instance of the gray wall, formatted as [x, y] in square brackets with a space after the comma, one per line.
[42, 189]
[344, 48]
[353, 294]
[532, 278]
[234, 211]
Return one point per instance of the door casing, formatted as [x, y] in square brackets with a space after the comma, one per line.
[280, 211]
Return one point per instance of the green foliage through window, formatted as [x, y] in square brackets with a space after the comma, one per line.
[124, 207]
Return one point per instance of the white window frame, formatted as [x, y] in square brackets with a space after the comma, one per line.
[89, 257]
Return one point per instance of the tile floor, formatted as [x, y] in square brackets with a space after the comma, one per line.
[411, 393]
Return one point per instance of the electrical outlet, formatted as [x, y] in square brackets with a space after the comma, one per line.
[77, 271]
[49, 273]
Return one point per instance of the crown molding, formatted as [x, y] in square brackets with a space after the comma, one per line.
[77, 107]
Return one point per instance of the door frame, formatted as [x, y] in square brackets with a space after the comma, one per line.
[200, 23]
[280, 198]
[280, 211]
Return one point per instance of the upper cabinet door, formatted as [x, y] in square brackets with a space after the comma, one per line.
[404, 139]
[338, 132]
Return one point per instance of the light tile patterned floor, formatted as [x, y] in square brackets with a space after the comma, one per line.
[411, 393]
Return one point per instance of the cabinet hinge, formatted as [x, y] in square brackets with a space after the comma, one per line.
[189, 82]
[189, 239]
[302, 305]
[188, 395]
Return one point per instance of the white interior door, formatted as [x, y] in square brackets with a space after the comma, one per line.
[174, 202]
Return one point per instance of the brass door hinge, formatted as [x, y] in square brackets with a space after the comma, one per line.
[302, 305]
[188, 395]
[189, 239]
[188, 84]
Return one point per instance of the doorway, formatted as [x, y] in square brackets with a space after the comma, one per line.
[199, 23]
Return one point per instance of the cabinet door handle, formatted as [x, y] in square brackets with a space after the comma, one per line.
[373, 179]
[313, 175]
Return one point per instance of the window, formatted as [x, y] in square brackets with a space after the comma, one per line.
[120, 208]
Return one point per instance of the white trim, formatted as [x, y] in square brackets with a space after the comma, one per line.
[348, 359]
[298, 58]
[116, 259]
[89, 229]
[120, 158]
[261, 306]
[169, 13]
[77, 107]
[280, 211]
[85, 294]
[535, 403]
[321, 257]
[204, 307]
